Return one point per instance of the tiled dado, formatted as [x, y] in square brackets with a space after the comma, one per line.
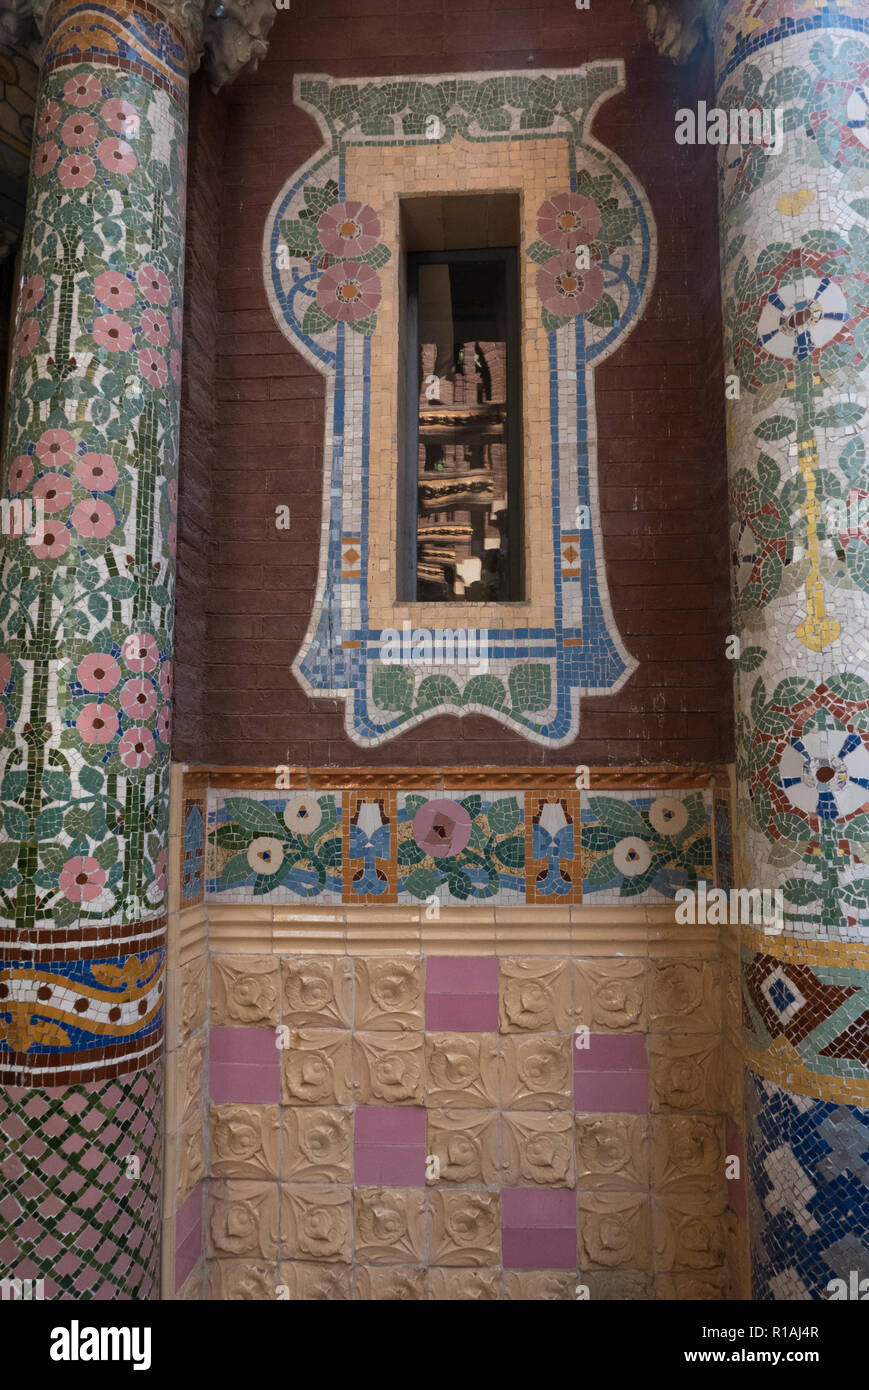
[437, 1128]
[386, 1097]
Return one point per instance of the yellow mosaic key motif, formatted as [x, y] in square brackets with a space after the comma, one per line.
[818, 630]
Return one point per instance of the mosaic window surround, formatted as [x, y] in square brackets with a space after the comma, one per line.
[332, 270]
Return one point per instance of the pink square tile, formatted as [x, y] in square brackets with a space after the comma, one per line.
[461, 1013]
[611, 1092]
[612, 1052]
[254, 1085]
[248, 1045]
[390, 1124]
[461, 975]
[546, 1249]
[385, 1165]
[534, 1206]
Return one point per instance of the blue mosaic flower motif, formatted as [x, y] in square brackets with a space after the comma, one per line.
[553, 849]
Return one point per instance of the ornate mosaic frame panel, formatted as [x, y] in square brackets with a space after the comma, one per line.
[332, 267]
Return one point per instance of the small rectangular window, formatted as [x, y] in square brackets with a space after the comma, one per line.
[462, 490]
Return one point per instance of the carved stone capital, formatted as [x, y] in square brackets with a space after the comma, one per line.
[228, 36]
[677, 28]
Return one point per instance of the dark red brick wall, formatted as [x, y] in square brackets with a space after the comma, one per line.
[196, 546]
[660, 406]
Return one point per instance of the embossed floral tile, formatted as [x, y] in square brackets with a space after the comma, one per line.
[643, 848]
[288, 848]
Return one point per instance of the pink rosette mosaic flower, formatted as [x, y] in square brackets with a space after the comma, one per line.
[116, 156]
[98, 723]
[136, 748]
[139, 698]
[76, 171]
[566, 291]
[79, 129]
[166, 680]
[349, 229]
[49, 117]
[119, 115]
[27, 338]
[154, 284]
[568, 220]
[155, 327]
[114, 290]
[113, 333]
[164, 726]
[32, 293]
[54, 491]
[82, 879]
[98, 673]
[94, 519]
[82, 91]
[20, 473]
[45, 158]
[55, 448]
[140, 652]
[97, 472]
[51, 544]
[152, 365]
[349, 291]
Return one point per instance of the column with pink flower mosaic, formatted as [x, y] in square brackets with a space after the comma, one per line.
[795, 268]
[86, 619]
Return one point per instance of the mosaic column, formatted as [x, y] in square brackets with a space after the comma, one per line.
[795, 272]
[86, 617]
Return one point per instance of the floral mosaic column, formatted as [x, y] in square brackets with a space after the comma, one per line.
[795, 258]
[86, 608]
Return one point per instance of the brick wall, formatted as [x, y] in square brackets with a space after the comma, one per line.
[659, 398]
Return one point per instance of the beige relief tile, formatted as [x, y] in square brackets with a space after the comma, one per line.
[536, 1073]
[188, 1071]
[684, 1072]
[537, 1149]
[317, 991]
[244, 1141]
[615, 1231]
[465, 1228]
[245, 990]
[477, 1285]
[534, 996]
[193, 984]
[388, 1068]
[393, 1285]
[609, 995]
[466, 1144]
[612, 1152]
[306, 1282]
[688, 1153]
[191, 1156]
[619, 1285]
[685, 997]
[243, 1219]
[242, 1280]
[316, 1145]
[390, 994]
[316, 1068]
[711, 1287]
[389, 1224]
[690, 1232]
[539, 1285]
[194, 1287]
[462, 1070]
[316, 1223]
[731, 1082]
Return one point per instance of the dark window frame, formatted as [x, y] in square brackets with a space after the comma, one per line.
[408, 489]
